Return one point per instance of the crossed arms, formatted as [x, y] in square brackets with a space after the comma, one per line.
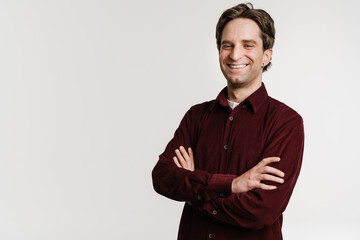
[250, 180]
[254, 199]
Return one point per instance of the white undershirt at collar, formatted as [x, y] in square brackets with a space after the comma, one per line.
[232, 104]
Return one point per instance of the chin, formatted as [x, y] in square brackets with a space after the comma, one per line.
[237, 85]
[240, 83]
[237, 81]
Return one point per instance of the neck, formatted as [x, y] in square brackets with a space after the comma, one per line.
[240, 93]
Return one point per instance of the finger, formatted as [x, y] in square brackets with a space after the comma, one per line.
[191, 154]
[274, 171]
[180, 157]
[186, 157]
[184, 154]
[177, 162]
[268, 177]
[267, 161]
[266, 187]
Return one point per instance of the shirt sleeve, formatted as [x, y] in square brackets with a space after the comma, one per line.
[260, 208]
[194, 187]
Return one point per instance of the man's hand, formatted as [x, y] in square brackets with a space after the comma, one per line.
[260, 172]
[184, 159]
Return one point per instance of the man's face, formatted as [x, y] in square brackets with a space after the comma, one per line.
[241, 54]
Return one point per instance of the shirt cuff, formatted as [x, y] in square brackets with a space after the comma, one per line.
[219, 185]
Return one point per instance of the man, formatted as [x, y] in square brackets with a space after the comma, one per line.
[235, 160]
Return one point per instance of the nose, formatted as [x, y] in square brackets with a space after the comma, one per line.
[236, 53]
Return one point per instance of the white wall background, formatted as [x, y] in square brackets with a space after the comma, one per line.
[92, 91]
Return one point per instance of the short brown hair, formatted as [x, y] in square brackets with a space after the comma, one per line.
[262, 19]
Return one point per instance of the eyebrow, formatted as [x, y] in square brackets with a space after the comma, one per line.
[243, 41]
[249, 41]
[225, 42]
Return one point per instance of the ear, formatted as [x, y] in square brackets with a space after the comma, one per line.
[267, 56]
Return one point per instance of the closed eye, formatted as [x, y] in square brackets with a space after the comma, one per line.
[226, 46]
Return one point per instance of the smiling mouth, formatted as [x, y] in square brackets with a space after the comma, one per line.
[237, 66]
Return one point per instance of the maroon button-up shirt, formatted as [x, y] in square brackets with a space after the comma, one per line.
[227, 143]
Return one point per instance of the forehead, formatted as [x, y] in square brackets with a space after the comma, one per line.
[240, 29]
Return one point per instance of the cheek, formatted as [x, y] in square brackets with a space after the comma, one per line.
[221, 61]
[221, 57]
[257, 59]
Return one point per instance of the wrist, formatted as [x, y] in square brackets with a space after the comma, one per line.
[238, 185]
[234, 186]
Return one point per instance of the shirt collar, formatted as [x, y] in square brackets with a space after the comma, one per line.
[255, 100]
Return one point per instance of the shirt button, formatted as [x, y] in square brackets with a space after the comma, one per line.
[199, 197]
[210, 235]
[214, 212]
[221, 195]
[243, 106]
[226, 147]
[231, 118]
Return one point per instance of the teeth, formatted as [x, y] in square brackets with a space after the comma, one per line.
[238, 66]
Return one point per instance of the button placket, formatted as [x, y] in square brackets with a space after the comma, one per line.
[226, 138]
